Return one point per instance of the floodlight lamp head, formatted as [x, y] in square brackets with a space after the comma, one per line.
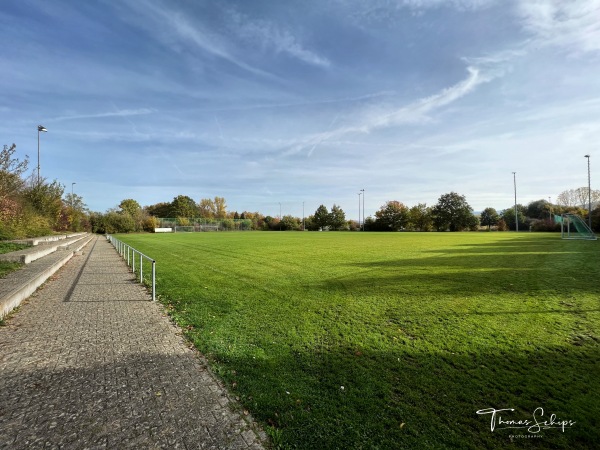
[586, 156]
[42, 128]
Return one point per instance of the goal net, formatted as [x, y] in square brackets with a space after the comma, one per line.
[184, 229]
[574, 227]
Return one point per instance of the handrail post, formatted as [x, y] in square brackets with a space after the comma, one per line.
[153, 280]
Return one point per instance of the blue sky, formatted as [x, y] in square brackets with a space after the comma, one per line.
[267, 102]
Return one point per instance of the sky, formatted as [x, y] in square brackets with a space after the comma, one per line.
[293, 104]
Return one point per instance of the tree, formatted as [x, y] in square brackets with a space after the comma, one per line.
[419, 217]
[73, 213]
[11, 170]
[184, 206]
[289, 223]
[162, 210]
[220, 208]
[508, 215]
[539, 209]
[452, 212]
[337, 218]
[489, 217]
[130, 206]
[46, 199]
[578, 197]
[207, 208]
[321, 217]
[393, 216]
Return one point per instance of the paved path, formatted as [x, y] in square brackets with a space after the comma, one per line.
[90, 362]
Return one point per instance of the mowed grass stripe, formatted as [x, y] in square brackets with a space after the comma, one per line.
[366, 340]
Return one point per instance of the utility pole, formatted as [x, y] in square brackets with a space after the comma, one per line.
[516, 212]
[359, 194]
[589, 194]
[363, 196]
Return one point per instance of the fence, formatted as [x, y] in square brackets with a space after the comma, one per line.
[203, 224]
[130, 254]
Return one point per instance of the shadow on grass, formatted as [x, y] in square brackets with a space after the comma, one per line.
[341, 398]
[515, 266]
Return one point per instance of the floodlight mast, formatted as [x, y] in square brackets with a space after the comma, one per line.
[43, 129]
[589, 194]
[363, 196]
[359, 194]
[516, 218]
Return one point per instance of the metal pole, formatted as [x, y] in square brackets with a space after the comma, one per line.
[153, 280]
[516, 212]
[363, 215]
[589, 194]
[141, 269]
[38, 165]
[359, 194]
[40, 128]
[303, 216]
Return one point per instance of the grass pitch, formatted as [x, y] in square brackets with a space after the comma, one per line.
[394, 340]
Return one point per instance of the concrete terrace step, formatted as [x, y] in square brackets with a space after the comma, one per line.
[19, 285]
[47, 239]
[28, 255]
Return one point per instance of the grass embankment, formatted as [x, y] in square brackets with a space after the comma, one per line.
[6, 267]
[365, 340]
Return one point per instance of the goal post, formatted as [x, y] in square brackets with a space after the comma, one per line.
[184, 229]
[574, 227]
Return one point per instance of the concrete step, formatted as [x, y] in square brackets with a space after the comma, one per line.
[19, 285]
[28, 255]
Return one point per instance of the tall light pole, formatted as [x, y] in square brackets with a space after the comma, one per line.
[589, 195]
[72, 197]
[359, 194]
[303, 216]
[550, 208]
[516, 212]
[363, 196]
[43, 129]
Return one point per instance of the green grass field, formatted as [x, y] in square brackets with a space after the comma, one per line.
[394, 340]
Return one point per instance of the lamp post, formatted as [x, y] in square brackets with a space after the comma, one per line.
[303, 216]
[72, 197]
[363, 196]
[589, 194]
[550, 208]
[359, 194]
[516, 217]
[42, 129]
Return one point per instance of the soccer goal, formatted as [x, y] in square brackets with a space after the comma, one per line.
[574, 227]
[184, 229]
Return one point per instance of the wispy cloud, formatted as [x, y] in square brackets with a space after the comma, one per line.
[175, 26]
[572, 25]
[270, 35]
[416, 112]
[120, 113]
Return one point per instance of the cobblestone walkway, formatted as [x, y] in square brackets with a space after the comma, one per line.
[89, 362]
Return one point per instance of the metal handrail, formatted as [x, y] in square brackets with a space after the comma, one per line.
[126, 249]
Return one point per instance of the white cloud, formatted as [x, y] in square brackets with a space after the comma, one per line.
[416, 112]
[120, 113]
[573, 25]
[173, 26]
[270, 35]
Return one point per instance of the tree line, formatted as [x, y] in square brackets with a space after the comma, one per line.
[32, 207]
